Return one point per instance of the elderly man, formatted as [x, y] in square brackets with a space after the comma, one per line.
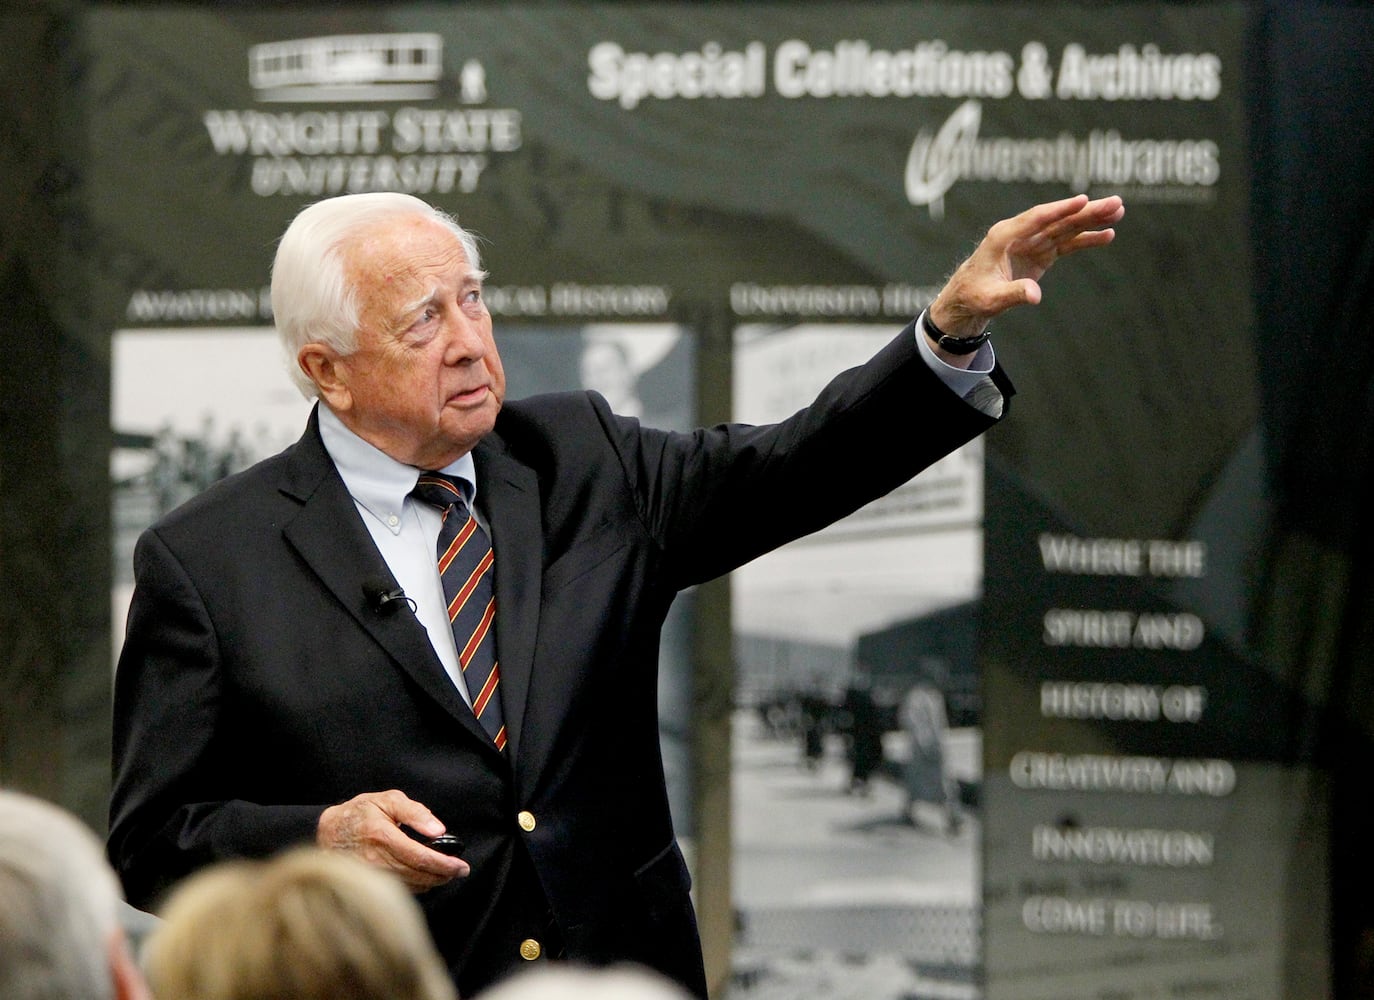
[60, 933]
[439, 611]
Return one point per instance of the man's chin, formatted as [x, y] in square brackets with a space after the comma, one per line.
[472, 427]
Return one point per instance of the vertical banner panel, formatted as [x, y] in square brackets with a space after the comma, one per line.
[857, 740]
[1143, 763]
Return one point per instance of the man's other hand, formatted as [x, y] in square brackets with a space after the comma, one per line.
[368, 826]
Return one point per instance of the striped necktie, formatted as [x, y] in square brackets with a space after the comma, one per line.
[465, 568]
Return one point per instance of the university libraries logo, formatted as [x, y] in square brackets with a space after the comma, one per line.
[1147, 169]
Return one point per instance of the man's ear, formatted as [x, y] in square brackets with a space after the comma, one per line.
[125, 974]
[321, 364]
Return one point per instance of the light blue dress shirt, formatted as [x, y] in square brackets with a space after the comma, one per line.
[404, 529]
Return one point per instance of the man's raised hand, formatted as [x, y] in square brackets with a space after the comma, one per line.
[1006, 268]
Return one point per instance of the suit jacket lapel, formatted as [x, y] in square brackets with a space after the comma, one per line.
[508, 494]
[331, 538]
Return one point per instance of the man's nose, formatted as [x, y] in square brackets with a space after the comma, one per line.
[465, 340]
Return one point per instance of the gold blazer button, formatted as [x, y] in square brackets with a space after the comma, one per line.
[529, 949]
[526, 820]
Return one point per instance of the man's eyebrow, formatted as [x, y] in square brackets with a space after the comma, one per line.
[470, 279]
[424, 300]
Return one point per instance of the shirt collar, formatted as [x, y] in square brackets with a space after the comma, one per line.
[374, 479]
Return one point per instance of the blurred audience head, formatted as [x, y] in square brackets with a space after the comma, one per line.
[574, 982]
[60, 932]
[307, 925]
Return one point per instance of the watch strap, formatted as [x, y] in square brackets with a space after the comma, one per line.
[954, 345]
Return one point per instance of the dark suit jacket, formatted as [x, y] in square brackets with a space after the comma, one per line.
[257, 684]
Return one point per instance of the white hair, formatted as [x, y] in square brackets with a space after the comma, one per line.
[312, 300]
[59, 905]
[566, 981]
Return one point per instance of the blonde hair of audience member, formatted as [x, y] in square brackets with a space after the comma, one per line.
[60, 936]
[574, 982]
[308, 925]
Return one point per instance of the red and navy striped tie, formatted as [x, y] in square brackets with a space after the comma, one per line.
[465, 568]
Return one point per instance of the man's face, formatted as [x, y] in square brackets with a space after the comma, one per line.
[426, 382]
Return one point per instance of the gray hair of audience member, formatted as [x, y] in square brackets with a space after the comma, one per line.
[59, 906]
[313, 300]
[306, 925]
[569, 981]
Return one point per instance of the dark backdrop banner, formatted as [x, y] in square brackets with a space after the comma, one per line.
[720, 165]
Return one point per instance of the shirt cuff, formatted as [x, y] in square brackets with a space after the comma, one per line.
[961, 381]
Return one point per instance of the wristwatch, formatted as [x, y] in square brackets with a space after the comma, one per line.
[955, 345]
